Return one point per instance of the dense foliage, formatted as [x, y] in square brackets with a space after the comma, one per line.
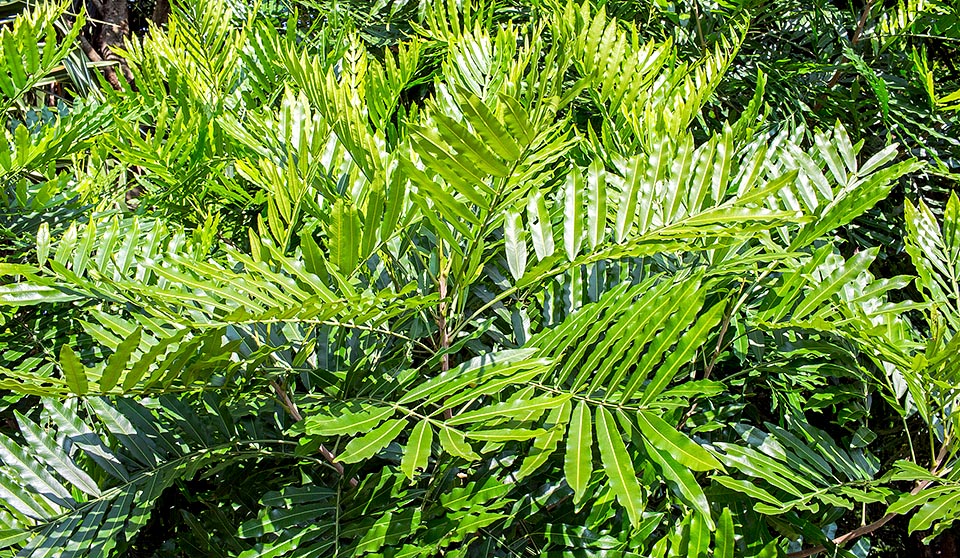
[480, 278]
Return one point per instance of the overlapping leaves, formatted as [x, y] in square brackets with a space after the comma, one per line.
[502, 303]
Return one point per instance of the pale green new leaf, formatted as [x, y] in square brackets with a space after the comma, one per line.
[455, 443]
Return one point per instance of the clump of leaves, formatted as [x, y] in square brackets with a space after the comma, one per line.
[533, 313]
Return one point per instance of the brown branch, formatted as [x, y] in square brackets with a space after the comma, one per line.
[859, 531]
[161, 12]
[291, 407]
[696, 17]
[727, 316]
[857, 34]
[88, 49]
[867, 529]
[112, 32]
[288, 404]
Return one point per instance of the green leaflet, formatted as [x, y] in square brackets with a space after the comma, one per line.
[53, 455]
[544, 446]
[596, 204]
[699, 536]
[276, 519]
[34, 475]
[684, 450]
[687, 346]
[43, 243]
[877, 83]
[282, 546]
[389, 529]
[306, 189]
[118, 360]
[489, 128]
[446, 209]
[94, 524]
[345, 419]
[510, 375]
[573, 213]
[373, 217]
[666, 324]
[515, 244]
[454, 443]
[509, 409]
[396, 192]
[73, 370]
[756, 464]
[908, 502]
[345, 236]
[152, 356]
[474, 494]
[505, 434]
[615, 352]
[681, 481]
[830, 285]
[771, 550]
[540, 227]
[9, 537]
[725, 542]
[627, 210]
[748, 488]
[503, 363]
[417, 452]
[367, 446]
[441, 159]
[618, 466]
[934, 511]
[578, 459]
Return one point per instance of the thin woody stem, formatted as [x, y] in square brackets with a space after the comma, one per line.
[291, 407]
[867, 529]
[857, 34]
[724, 326]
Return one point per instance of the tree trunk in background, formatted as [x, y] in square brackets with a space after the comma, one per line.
[944, 546]
[111, 26]
[161, 12]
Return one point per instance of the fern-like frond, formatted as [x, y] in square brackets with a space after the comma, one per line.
[142, 452]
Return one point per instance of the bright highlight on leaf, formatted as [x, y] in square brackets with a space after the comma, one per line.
[475, 278]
